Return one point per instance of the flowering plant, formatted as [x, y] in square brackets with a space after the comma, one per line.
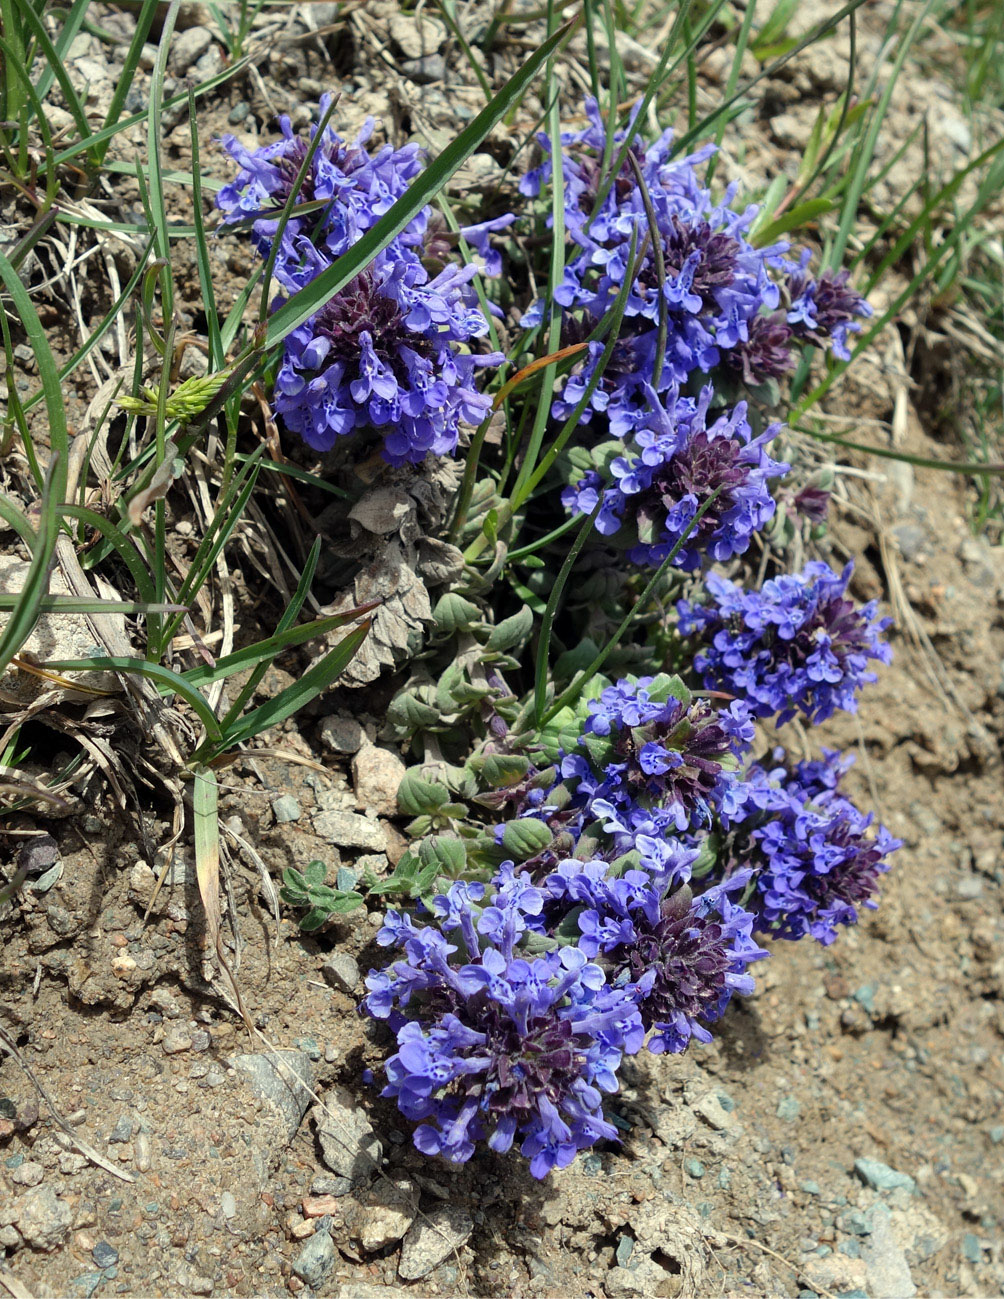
[395, 350]
[605, 870]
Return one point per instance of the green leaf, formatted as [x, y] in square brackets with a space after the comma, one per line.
[512, 633]
[503, 770]
[526, 838]
[666, 687]
[446, 854]
[410, 713]
[417, 796]
[453, 613]
[799, 216]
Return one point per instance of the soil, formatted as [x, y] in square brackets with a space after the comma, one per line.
[740, 1169]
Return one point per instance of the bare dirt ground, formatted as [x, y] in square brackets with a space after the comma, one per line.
[845, 1133]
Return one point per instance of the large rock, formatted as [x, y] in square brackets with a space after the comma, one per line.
[43, 1219]
[377, 774]
[282, 1081]
[349, 1146]
[432, 1238]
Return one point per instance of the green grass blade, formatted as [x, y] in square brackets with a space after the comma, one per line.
[313, 682]
[55, 68]
[166, 681]
[144, 21]
[551, 608]
[36, 585]
[264, 652]
[88, 604]
[287, 620]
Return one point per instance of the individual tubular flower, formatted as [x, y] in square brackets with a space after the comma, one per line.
[500, 1047]
[798, 645]
[716, 283]
[645, 750]
[815, 857]
[684, 956]
[392, 351]
[677, 464]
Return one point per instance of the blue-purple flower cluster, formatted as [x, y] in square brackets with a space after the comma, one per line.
[797, 645]
[513, 1005]
[724, 301]
[812, 854]
[703, 300]
[681, 461]
[395, 350]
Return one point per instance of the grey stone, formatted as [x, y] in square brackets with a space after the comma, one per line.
[384, 1215]
[30, 1173]
[713, 1112]
[694, 1168]
[377, 775]
[350, 831]
[433, 1238]
[349, 1146]
[176, 1040]
[10, 1238]
[888, 1274]
[239, 112]
[972, 1250]
[38, 855]
[426, 70]
[342, 734]
[187, 47]
[788, 1109]
[881, 1177]
[285, 808]
[43, 1219]
[105, 1255]
[281, 1083]
[316, 1259]
[969, 888]
[228, 1204]
[912, 540]
[342, 972]
[416, 35]
[122, 1131]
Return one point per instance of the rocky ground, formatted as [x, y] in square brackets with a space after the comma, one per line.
[843, 1135]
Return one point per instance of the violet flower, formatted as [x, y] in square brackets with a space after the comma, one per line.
[796, 646]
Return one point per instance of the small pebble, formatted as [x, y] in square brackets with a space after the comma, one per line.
[239, 112]
[997, 1134]
[342, 972]
[286, 808]
[104, 1255]
[30, 1173]
[788, 1109]
[694, 1168]
[972, 1250]
[175, 1040]
[122, 1131]
[143, 1151]
[228, 1204]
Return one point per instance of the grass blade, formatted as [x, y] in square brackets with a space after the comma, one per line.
[313, 682]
